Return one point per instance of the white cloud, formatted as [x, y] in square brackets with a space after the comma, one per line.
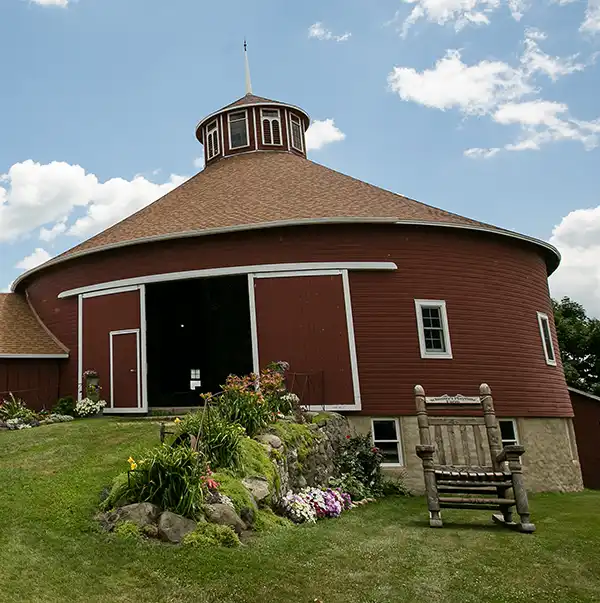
[321, 133]
[34, 195]
[199, 162]
[577, 237]
[591, 23]
[318, 31]
[505, 93]
[61, 3]
[474, 89]
[38, 257]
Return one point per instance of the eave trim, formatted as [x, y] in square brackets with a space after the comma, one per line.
[32, 356]
[282, 224]
[582, 393]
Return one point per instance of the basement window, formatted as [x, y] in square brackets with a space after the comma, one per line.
[238, 130]
[296, 133]
[212, 140]
[547, 344]
[386, 437]
[432, 326]
[508, 429]
[271, 126]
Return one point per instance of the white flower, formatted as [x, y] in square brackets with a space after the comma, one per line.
[87, 407]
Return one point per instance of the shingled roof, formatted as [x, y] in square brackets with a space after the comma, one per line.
[265, 188]
[21, 333]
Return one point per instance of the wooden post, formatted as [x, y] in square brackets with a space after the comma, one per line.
[522, 502]
[422, 420]
[491, 424]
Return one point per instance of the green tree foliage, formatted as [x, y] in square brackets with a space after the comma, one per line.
[579, 341]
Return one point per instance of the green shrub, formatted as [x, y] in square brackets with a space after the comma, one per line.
[65, 406]
[232, 487]
[218, 439]
[394, 487]
[246, 407]
[14, 408]
[128, 530]
[351, 485]
[118, 494]
[210, 534]
[360, 459]
[266, 521]
[170, 477]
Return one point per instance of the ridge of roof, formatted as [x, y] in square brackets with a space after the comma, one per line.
[265, 189]
[21, 332]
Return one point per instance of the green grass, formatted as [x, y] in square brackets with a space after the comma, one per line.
[51, 551]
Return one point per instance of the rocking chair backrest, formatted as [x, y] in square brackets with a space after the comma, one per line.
[460, 442]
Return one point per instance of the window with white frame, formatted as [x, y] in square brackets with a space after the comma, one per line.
[238, 130]
[296, 133]
[195, 380]
[432, 325]
[547, 344]
[212, 140]
[271, 126]
[508, 430]
[386, 437]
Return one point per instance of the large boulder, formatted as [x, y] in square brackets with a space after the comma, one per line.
[271, 439]
[225, 516]
[141, 514]
[258, 487]
[173, 528]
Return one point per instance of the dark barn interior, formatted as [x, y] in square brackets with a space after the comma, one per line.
[198, 332]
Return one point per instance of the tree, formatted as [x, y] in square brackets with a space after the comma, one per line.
[579, 341]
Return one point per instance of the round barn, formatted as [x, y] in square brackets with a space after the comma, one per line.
[266, 256]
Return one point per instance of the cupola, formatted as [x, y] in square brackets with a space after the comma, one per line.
[253, 124]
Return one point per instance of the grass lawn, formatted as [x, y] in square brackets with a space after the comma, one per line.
[50, 550]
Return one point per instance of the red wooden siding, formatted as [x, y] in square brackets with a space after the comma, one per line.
[587, 432]
[101, 315]
[36, 381]
[302, 320]
[493, 287]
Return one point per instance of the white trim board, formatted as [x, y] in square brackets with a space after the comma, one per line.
[282, 224]
[111, 336]
[229, 271]
[32, 356]
[349, 323]
[79, 347]
[543, 317]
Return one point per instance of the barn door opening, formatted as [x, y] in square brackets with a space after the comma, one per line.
[197, 333]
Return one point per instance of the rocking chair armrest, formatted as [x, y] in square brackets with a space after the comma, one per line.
[510, 453]
[425, 450]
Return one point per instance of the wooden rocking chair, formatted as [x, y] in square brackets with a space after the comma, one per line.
[461, 474]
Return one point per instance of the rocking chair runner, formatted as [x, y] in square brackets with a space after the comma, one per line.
[467, 476]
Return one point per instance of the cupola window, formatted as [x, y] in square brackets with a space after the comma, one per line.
[296, 133]
[271, 126]
[212, 140]
[238, 130]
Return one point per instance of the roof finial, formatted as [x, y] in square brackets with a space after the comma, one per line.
[248, 81]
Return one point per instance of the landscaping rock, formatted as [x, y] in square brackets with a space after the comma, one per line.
[173, 528]
[225, 516]
[248, 515]
[258, 487]
[141, 514]
[270, 439]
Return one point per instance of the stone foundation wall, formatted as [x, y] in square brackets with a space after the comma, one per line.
[550, 463]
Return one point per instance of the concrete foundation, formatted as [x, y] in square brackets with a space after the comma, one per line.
[550, 463]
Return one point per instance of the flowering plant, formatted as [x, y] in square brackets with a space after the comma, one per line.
[311, 504]
[88, 407]
[90, 373]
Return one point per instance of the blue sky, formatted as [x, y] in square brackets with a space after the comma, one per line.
[491, 111]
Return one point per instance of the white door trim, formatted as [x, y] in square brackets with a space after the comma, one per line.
[122, 284]
[111, 408]
[79, 347]
[349, 322]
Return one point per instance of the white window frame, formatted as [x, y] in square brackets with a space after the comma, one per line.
[229, 116]
[517, 440]
[298, 121]
[212, 128]
[541, 318]
[397, 441]
[271, 120]
[437, 303]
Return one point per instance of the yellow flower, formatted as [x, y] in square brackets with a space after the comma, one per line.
[133, 466]
[130, 460]
[177, 420]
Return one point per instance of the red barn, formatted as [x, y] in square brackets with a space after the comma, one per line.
[265, 255]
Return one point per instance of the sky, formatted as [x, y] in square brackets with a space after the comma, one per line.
[486, 108]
